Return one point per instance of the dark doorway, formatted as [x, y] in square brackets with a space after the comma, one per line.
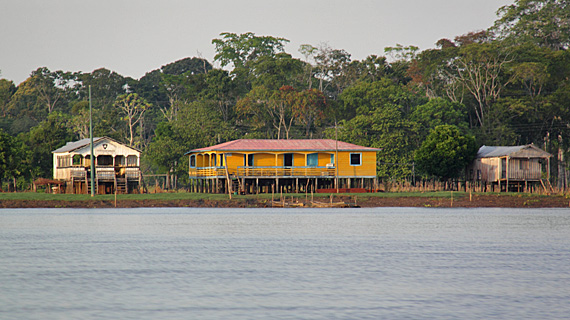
[288, 160]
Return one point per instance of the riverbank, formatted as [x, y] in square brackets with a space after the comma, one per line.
[428, 199]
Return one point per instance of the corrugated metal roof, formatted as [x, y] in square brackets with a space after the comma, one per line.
[284, 145]
[501, 151]
[74, 145]
[70, 146]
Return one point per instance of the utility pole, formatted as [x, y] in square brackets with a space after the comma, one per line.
[336, 156]
[91, 145]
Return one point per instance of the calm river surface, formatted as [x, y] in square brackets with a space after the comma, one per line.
[369, 263]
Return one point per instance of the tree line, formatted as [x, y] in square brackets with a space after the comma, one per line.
[507, 85]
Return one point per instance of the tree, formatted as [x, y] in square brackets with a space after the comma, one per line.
[364, 97]
[445, 152]
[309, 108]
[438, 112]
[274, 72]
[7, 89]
[221, 89]
[166, 149]
[542, 22]
[14, 160]
[133, 108]
[268, 110]
[42, 139]
[479, 69]
[187, 65]
[239, 49]
[254, 111]
[387, 129]
[330, 64]
[51, 86]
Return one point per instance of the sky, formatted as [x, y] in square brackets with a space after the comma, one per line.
[133, 37]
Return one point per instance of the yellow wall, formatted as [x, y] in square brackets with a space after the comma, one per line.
[368, 167]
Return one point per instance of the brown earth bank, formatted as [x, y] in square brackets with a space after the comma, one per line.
[476, 201]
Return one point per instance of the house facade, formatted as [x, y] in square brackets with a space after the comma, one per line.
[514, 168]
[117, 166]
[260, 165]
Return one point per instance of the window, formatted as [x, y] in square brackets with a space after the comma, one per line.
[104, 160]
[77, 160]
[356, 159]
[332, 159]
[213, 159]
[120, 161]
[63, 161]
[132, 161]
[221, 160]
[193, 161]
[312, 160]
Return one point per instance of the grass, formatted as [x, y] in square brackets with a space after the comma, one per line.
[167, 196]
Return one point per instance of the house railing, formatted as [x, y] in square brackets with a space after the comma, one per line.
[524, 175]
[269, 171]
[105, 172]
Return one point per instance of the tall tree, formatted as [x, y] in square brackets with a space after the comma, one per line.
[7, 89]
[309, 108]
[239, 49]
[14, 158]
[542, 22]
[133, 108]
[47, 136]
[51, 86]
[446, 152]
[479, 69]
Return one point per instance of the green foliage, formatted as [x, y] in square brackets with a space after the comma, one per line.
[239, 49]
[542, 22]
[132, 108]
[445, 152]
[508, 85]
[13, 157]
[49, 135]
[438, 112]
[384, 128]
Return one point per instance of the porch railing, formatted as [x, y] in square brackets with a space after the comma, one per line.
[105, 173]
[247, 171]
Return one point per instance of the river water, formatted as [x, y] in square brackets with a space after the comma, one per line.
[369, 263]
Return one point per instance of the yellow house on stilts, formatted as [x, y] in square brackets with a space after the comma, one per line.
[265, 166]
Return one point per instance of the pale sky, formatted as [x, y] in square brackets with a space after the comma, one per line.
[132, 37]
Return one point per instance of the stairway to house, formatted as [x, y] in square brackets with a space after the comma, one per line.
[546, 185]
[235, 186]
[121, 185]
[89, 186]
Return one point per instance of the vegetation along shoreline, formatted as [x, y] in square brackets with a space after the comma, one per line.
[405, 199]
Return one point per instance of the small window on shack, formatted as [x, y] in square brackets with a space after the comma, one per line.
[193, 161]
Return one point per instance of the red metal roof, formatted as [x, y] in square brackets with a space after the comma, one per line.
[285, 145]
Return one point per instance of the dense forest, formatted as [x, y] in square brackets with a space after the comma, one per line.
[507, 85]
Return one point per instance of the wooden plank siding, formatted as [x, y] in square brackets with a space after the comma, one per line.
[505, 166]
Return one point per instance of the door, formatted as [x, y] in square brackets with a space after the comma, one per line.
[288, 160]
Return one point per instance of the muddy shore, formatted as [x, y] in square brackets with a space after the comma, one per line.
[477, 201]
